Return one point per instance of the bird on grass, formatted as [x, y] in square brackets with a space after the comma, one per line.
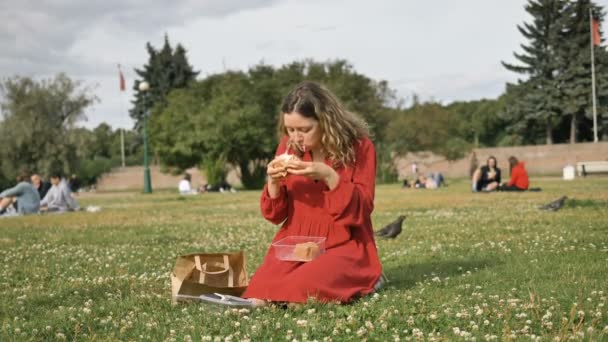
[555, 205]
[392, 229]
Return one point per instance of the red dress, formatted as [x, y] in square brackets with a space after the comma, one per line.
[350, 266]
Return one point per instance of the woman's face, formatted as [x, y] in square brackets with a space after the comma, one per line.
[304, 132]
[492, 162]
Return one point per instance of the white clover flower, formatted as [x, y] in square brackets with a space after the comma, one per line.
[302, 322]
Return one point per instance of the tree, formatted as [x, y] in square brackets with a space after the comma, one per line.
[232, 117]
[478, 122]
[575, 76]
[99, 150]
[540, 103]
[36, 118]
[167, 69]
[426, 127]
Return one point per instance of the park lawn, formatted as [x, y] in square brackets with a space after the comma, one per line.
[483, 266]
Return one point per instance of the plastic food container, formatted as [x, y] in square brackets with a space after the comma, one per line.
[299, 248]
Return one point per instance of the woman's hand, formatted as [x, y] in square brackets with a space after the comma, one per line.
[276, 172]
[314, 170]
[491, 174]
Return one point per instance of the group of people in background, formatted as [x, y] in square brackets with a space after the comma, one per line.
[33, 195]
[185, 186]
[432, 180]
[488, 178]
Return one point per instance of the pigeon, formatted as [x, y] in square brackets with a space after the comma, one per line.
[392, 229]
[555, 205]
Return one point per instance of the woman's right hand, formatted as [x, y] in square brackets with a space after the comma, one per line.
[276, 171]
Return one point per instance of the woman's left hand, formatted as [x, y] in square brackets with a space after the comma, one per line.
[314, 170]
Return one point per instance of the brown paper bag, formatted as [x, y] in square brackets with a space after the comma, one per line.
[197, 274]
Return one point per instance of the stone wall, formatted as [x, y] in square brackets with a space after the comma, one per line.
[132, 179]
[539, 159]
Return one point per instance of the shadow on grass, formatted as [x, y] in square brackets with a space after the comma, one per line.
[408, 275]
[586, 203]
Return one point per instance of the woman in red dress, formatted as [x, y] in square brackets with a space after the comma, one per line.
[328, 191]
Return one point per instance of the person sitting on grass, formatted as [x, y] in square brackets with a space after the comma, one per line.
[519, 176]
[488, 177]
[184, 186]
[40, 185]
[328, 191]
[24, 194]
[59, 198]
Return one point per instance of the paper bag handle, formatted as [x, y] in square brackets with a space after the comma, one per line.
[203, 270]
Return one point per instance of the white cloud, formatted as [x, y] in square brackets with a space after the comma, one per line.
[442, 49]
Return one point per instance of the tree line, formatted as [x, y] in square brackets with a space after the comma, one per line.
[229, 119]
[39, 132]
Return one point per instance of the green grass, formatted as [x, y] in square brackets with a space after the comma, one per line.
[483, 266]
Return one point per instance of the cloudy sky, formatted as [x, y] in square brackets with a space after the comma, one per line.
[441, 49]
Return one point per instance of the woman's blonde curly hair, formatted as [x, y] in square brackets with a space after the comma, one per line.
[340, 129]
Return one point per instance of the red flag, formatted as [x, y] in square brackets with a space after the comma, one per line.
[595, 27]
[122, 80]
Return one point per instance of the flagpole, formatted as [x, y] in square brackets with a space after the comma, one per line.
[593, 76]
[122, 130]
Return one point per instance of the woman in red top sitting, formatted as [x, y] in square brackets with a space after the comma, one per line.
[328, 191]
[519, 176]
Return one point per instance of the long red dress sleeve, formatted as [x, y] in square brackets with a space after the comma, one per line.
[350, 266]
[275, 209]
